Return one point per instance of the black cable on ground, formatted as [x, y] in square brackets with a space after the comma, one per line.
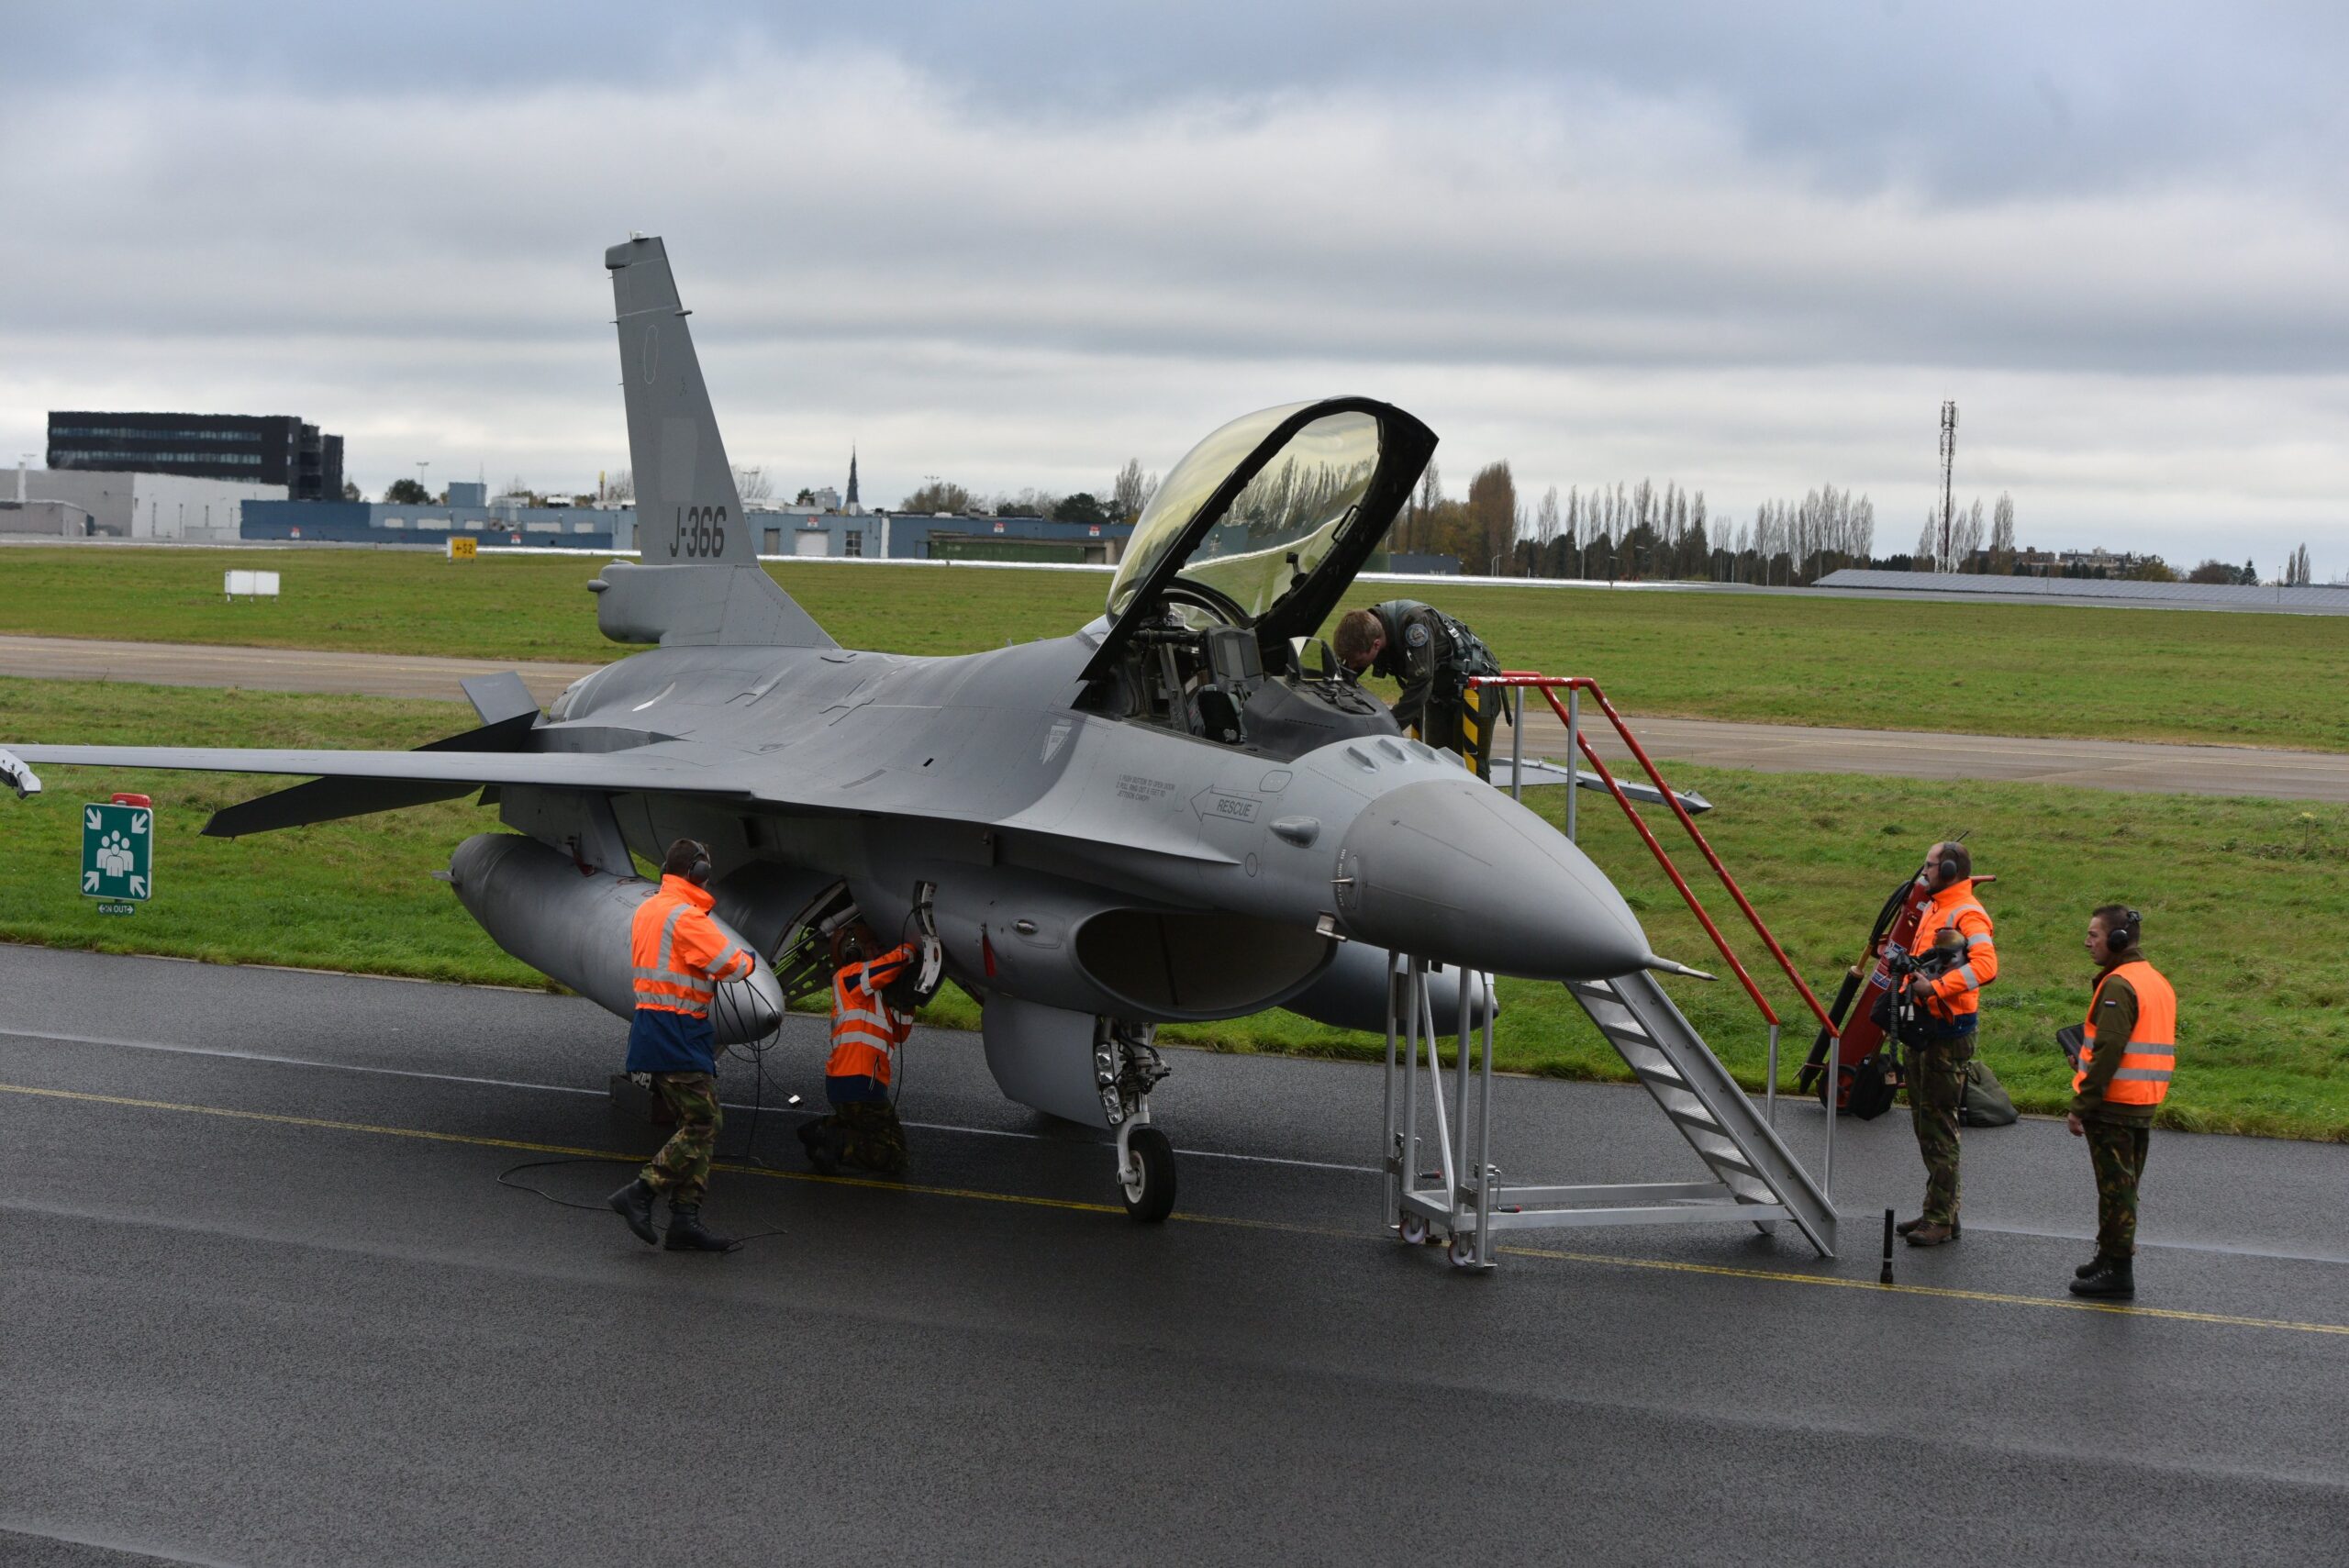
[753, 1052]
[504, 1180]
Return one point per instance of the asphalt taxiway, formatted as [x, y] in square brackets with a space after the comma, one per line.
[264, 1302]
[2130, 766]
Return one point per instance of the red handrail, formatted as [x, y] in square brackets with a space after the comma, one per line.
[1549, 686]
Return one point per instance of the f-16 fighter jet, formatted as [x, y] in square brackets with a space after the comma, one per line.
[1163, 816]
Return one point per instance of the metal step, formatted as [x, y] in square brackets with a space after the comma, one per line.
[1703, 1102]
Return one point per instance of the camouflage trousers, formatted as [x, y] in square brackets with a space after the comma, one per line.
[1936, 1089]
[868, 1135]
[682, 1168]
[2117, 1153]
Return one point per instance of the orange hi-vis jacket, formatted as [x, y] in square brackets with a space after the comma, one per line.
[680, 955]
[1956, 995]
[866, 1030]
[2150, 1053]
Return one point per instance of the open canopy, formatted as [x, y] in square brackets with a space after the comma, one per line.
[1265, 522]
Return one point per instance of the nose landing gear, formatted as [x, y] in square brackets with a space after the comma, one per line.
[1145, 1172]
[1125, 1067]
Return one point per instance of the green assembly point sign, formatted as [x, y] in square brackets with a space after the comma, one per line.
[117, 852]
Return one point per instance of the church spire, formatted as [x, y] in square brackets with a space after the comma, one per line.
[852, 476]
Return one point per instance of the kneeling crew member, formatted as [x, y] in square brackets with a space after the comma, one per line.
[2130, 1049]
[1432, 655]
[1952, 1002]
[873, 1003]
[681, 958]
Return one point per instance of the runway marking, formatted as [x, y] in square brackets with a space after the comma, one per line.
[266, 1060]
[2068, 1304]
[478, 1140]
[1287, 1227]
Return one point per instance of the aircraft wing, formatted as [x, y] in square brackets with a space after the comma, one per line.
[645, 768]
[1542, 774]
[351, 783]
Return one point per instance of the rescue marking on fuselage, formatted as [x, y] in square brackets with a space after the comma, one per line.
[1215, 804]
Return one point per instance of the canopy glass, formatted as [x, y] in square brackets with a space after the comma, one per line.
[1280, 527]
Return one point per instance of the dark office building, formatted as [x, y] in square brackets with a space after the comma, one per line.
[268, 449]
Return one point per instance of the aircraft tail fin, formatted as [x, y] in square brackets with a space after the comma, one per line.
[688, 513]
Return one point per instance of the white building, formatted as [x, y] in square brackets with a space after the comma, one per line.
[143, 505]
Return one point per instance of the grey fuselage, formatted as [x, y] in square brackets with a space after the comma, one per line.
[1084, 862]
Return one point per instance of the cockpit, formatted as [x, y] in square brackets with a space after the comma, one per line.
[1243, 552]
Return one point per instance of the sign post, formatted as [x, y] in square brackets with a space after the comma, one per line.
[463, 547]
[119, 855]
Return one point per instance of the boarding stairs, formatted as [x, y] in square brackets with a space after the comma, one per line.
[1755, 1177]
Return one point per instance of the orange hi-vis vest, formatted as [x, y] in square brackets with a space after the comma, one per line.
[1957, 993]
[680, 955]
[2150, 1053]
[866, 1030]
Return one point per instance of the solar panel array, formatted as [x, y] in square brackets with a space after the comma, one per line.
[2153, 595]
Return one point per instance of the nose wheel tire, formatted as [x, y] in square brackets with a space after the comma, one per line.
[1147, 1183]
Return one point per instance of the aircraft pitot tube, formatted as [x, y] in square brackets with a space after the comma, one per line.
[536, 904]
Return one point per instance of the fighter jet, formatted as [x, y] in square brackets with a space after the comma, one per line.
[1174, 812]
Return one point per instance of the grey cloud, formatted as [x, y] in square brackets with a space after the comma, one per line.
[1970, 101]
[949, 242]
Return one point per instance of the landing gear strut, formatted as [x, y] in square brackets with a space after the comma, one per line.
[1125, 1067]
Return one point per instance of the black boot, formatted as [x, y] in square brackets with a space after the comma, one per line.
[685, 1234]
[2090, 1267]
[2114, 1280]
[823, 1151]
[633, 1203]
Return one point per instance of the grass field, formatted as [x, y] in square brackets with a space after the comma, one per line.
[2242, 900]
[1868, 663]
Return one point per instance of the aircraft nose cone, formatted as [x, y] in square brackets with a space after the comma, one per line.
[1454, 870]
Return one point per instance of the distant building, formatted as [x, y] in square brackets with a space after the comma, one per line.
[2099, 562]
[431, 523]
[803, 532]
[1405, 564]
[272, 448]
[461, 493]
[77, 504]
[806, 530]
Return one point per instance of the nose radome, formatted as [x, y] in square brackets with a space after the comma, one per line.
[1454, 870]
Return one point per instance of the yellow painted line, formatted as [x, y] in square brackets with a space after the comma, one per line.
[476, 1140]
[1609, 1259]
[2068, 1304]
[278, 1119]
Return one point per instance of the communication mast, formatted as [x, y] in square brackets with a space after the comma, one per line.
[1948, 456]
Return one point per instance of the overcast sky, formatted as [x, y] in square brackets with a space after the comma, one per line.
[1750, 247]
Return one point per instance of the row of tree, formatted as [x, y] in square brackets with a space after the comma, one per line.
[1627, 530]
[1129, 492]
[1620, 532]
[1955, 544]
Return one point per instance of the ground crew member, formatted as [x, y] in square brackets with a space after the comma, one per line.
[1951, 1002]
[874, 996]
[681, 957]
[1432, 655]
[2128, 1048]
